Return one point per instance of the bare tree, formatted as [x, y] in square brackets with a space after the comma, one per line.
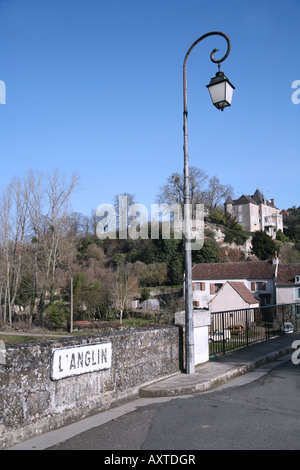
[173, 191]
[122, 202]
[35, 197]
[58, 192]
[79, 224]
[216, 193]
[125, 286]
[14, 221]
[20, 219]
[34, 230]
[6, 251]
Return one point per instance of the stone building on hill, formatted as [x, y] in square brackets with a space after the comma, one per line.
[255, 213]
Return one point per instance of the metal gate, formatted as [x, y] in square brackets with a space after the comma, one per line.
[233, 329]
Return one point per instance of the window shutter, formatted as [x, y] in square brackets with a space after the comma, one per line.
[212, 288]
[253, 286]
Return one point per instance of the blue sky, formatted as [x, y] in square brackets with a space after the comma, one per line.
[95, 87]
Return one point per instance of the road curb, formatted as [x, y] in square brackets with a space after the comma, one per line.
[182, 384]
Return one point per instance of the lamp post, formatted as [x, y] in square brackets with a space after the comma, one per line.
[221, 94]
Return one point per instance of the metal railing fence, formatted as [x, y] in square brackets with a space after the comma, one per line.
[233, 329]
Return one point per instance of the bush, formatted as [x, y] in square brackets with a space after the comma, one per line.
[241, 238]
[154, 274]
[281, 237]
[263, 246]
[217, 218]
[145, 293]
[229, 236]
[209, 253]
[56, 314]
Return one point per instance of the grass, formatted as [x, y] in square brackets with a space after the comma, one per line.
[16, 339]
[43, 334]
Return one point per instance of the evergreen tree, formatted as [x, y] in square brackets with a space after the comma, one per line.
[209, 253]
[292, 224]
[171, 252]
[263, 246]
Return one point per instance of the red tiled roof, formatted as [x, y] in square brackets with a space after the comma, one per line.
[286, 274]
[234, 270]
[244, 292]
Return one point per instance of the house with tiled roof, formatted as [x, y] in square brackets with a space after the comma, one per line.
[288, 283]
[233, 293]
[266, 282]
[256, 276]
[255, 213]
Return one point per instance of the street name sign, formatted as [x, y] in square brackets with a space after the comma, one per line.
[76, 360]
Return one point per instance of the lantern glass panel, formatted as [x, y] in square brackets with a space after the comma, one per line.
[221, 91]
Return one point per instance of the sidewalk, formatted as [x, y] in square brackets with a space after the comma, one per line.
[222, 368]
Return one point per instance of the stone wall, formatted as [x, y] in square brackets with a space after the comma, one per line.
[32, 403]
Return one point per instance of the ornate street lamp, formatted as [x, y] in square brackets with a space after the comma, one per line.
[221, 91]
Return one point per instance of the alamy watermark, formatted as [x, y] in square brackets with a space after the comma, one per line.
[296, 94]
[132, 221]
[2, 92]
[296, 354]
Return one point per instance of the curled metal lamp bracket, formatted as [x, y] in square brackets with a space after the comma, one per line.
[213, 33]
[216, 61]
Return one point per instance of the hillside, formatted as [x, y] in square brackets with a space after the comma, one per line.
[108, 274]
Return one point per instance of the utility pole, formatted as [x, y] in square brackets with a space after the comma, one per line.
[71, 316]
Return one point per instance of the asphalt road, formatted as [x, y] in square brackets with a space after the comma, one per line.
[258, 411]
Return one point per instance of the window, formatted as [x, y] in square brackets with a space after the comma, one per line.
[258, 286]
[297, 293]
[198, 285]
[214, 288]
[297, 279]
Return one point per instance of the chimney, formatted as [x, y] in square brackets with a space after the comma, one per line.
[272, 202]
[275, 261]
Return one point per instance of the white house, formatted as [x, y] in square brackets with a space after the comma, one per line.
[288, 283]
[233, 295]
[257, 276]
